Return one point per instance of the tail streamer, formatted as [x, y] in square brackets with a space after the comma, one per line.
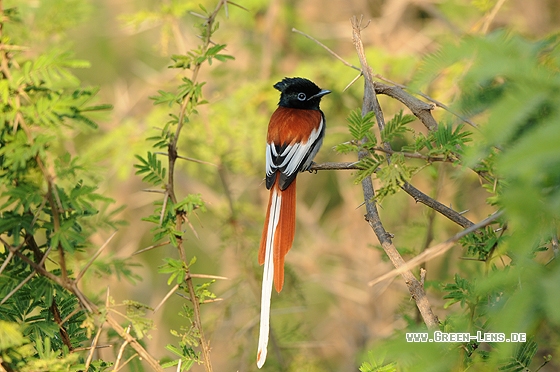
[276, 241]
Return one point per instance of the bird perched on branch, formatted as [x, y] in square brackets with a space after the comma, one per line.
[295, 134]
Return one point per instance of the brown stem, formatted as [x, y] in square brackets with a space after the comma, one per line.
[420, 197]
[420, 109]
[370, 103]
[172, 151]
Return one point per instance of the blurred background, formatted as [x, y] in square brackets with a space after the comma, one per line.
[326, 317]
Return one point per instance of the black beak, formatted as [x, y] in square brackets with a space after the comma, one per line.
[319, 95]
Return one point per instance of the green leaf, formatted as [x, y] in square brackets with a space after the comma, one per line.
[396, 127]
[360, 126]
[461, 291]
[367, 166]
[152, 169]
[522, 358]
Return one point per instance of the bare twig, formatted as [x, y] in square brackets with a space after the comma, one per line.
[188, 159]
[6, 262]
[90, 347]
[352, 82]
[90, 262]
[18, 287]
[206, 276]
[397, 91]
[13, 250]
[415, 155]
[334, 166]
[93, 347]
[166, 297]
[134, 344]
[151, 247]
[436, 250]
[492, 15]
[127, 361]
[420, 197]
[121, 350]
[327, 49]
[196, 160]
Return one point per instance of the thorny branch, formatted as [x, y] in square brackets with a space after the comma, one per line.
[370, 103]
[173, 155]
[422, 111]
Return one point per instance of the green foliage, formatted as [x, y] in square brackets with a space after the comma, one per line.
[396, 127]
[374, 366]
[446, 142]
[392, 175]
[49, 202]
[522, 357]
[152, 169]
[460, 291]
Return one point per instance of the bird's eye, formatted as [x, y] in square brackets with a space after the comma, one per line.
[301, 96]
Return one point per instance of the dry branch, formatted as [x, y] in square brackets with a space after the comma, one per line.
[436, 250]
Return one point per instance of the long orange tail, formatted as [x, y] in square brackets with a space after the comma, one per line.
[276, 241]
[281, 233]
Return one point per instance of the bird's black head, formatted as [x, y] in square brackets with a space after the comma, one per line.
[300, 93]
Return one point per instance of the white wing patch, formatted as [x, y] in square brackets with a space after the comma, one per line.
[293, 155]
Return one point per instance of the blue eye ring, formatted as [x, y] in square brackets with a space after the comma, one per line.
[301, 96]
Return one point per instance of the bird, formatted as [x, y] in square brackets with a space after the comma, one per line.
[295, 134]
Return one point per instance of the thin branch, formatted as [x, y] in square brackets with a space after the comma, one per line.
[90, 348]
[188, 159]
[492, 15]
[352, 82]
[155, 191]
[151, 247]
[334, 166]
[444, 210]
[416, 155]
[18, 287]
[327, 49]
[206, 276]
[90, 262]
[134, 344]
[397, 90]
[436, 250]
[67, 318]
[121, 350]
[6, 262]
[13, 250]
[127, 361]
[93, 347]
[166, 196]
[166, 297]
[196, 160]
